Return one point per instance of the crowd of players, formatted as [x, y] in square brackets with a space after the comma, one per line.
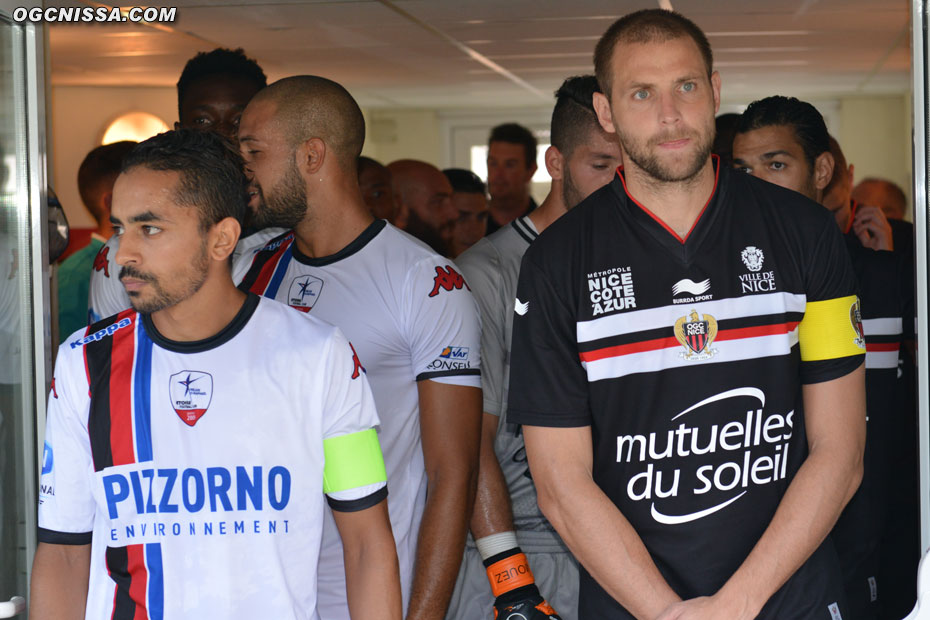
[653, 395]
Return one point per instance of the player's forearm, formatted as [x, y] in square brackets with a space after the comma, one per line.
[606, 544]
[373, 578]
[820, 490]
[440, 544]
[59, 582]
[493, 513]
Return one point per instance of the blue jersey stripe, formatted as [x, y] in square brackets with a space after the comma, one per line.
[279, 271]
[142, 392]
[156, 594]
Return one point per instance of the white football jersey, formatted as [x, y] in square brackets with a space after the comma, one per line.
[107, 295]
[411, 317]
[196, 469]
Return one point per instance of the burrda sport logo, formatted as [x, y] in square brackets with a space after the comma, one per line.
[696, 469]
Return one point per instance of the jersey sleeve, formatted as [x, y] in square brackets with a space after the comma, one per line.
[548, 385]
[442, 325]
[482, 271]
[66, 503]
[354, 476]
[107, 296]
[830, 333]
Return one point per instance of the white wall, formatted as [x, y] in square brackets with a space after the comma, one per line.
[79, 116]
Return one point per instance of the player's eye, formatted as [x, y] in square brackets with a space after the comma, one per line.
[688, 87]
[641, 94]
[746, 169]
[777, 165]
[150, 230]
[118, 230]
[203, 121]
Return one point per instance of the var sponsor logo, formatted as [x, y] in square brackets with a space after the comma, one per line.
[191, 392]
[451, 358]
[145, 503]
[611, 290]
[712, 454]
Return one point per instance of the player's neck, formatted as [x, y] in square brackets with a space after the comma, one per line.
[551, 209]
[506, 209]
[205, 313]
[333, 223]
[677, 204]
[843, 215]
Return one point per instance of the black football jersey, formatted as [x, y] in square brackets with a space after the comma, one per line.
[687, 357]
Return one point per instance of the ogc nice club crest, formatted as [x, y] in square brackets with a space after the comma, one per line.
[191, 392]
[696, 334]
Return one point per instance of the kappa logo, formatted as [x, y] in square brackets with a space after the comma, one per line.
[102, 261]
[447, 279]
[191, 392]
[357, 363]
[690, 286]
[752, 258]
[696, 334]
[109, 330]
[304, 292]
[855, 318]
[520, 307]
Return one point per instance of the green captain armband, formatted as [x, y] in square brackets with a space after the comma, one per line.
[352, 461]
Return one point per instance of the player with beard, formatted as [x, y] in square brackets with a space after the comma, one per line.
[179, 482]
[675, 336]
[213, 90]
[785, 141]
[507, 524]
[423, 196]
[407, 310]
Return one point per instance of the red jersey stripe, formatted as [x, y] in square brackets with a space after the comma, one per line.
[122, 357]
[665, 343]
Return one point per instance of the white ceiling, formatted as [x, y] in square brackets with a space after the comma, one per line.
[481, 53]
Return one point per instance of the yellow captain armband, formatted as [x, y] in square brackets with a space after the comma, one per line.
[831, 329]
[352, 461]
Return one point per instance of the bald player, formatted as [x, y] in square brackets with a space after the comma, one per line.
[508, 526]
[407, 311]
[883, 194]
[891, 199]
[424, 194]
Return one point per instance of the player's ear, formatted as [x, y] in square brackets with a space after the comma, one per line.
[604, 115]
[554, 163]
[310, 156]
[223, 238]
[823, 169]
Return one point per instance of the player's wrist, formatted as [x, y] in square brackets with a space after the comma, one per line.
[738, 603]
